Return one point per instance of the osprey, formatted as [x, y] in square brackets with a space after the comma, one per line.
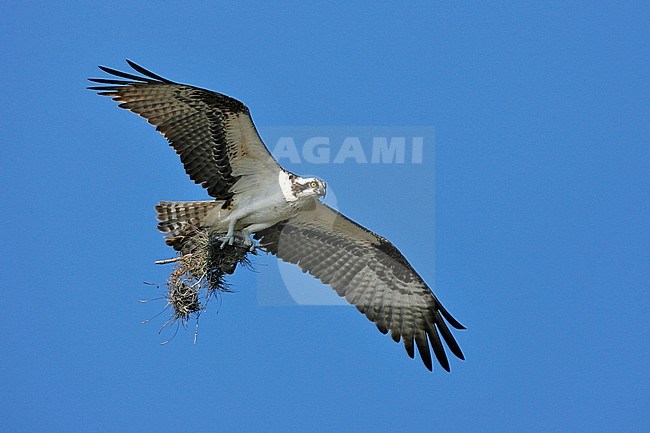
[254, 196]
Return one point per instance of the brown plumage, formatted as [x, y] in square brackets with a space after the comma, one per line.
[220, 149]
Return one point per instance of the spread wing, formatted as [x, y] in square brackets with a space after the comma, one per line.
[212, 133]
[370, 273]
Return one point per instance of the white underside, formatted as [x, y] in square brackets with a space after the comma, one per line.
[256, 210]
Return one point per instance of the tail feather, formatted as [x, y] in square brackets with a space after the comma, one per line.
[181, 220]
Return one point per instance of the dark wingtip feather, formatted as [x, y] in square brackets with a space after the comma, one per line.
[147, 72]
[447, 315]
[103, 91]
[423, 349]
[109, 81]
[449, 338]
[408, 345]
[121, 74]
[438, 350]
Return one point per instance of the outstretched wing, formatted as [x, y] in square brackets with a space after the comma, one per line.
[212, 133]
[370, 273]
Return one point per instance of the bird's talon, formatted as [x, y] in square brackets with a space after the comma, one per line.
[225, 240]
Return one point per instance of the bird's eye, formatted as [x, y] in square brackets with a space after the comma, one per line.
[313, 184]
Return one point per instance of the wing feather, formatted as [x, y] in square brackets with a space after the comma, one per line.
[212, 133]
[370, 273]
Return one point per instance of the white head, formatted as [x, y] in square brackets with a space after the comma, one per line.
[296, 187]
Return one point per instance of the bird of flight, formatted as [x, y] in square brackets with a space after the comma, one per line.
[256, 199]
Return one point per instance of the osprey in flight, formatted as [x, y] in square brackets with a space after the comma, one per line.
[254, 196]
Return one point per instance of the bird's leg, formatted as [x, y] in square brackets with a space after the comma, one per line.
[248, 239]
[229, 237]
[247, 232]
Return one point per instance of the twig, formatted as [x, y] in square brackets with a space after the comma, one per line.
[175, 259]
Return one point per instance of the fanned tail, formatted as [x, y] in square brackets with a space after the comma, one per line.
[181, 220]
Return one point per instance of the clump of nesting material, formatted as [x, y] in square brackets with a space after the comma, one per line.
[200, 273]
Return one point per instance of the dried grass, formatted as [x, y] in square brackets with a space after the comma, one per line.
[199, 274]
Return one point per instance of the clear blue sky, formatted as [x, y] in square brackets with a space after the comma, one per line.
[538, 229]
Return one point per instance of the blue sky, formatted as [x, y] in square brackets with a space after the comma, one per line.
[529, 217]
